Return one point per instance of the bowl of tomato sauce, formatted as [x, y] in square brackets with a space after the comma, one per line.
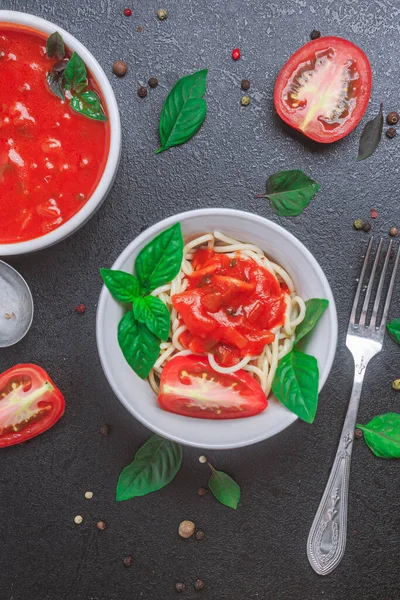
[194, 404]
[60, 134]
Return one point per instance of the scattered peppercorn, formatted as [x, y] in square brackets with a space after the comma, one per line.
[391, 132]
[101, 525]
[142, 92]
[367, 226]
[373, 213]
[245, 100]
[120, 68]
[396, 385]
[393, 231]
[105, 429]
[128, 561]
[202, 491]
[80, 309]
[140, 29]
[78, 519]
[200, 535]
[358, 433]
[186, 529]
[393, 118]
[199, 584]
[236, 54]
[162, 14]
[127, 12]
[358, 224]
[180, 587]
[315, 34]
[245, 85]
[153, 82]
[88, 495]
[203, 459]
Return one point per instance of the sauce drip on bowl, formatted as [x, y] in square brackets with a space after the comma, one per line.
[51, 158]
[230, 307]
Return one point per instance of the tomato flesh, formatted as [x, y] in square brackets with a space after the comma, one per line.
[190, 387]
[324, 88]
[229, 307]
[30, 403]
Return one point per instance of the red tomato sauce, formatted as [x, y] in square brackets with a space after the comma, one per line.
[229, 307]
[51, 158]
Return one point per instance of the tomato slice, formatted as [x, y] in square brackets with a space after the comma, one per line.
[30, 403]
[324, 88]
[190, 387]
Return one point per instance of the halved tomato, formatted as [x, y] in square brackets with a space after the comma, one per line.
[190, 387]
[324, 88]
[30, 403]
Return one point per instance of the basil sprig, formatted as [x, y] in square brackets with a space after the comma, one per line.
[394, 330]
[289, 192]
[71, 75]
[382, 435]
[184, 110]
[314, 310]
[155, 465]
[224, 488]
[148, 321]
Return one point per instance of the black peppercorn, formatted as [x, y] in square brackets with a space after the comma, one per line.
[367, 226]
[393, 118]
[105, 429]
[142, 92]
[391, 132]
[200, 535]
[358, 433]
[315, 34]
[245, 85]
[128, 561]
[153, 82]
[201, 491]
[199, 584]
[180, 587]
[120, 68]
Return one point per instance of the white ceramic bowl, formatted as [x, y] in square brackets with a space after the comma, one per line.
[105, 183]
[136, 394]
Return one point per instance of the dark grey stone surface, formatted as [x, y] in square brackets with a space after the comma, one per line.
[257, 552]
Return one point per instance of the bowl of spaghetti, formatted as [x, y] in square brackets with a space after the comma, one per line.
[236, 306]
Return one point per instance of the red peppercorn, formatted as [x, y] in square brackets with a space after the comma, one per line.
[236, 54]
[80, 309]
[127, 12]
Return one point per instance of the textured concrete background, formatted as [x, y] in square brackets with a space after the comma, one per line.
[259, 551]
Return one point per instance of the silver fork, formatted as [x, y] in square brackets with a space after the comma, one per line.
[327, 538]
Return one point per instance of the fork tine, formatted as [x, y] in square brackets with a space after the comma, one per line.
[380, 286]
[367, 298]
[390, 290]
[360, 283]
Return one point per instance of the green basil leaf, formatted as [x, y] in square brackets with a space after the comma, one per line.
[224, 488]
[394, 330]
[295, 384]
[371, 136]
[75, 74]
[382, 435]
[153, 312]
[55, 46]
[314, 309]
[160, 260]
[155, 465]
[139, 345]
[88, 104]
[123, 286]
[184, 110]
[55, 82]
[289, 192]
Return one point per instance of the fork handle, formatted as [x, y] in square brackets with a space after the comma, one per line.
[327, 538]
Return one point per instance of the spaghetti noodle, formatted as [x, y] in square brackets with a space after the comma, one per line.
[262, 366]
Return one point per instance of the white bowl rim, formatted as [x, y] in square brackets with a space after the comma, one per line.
[110, 170]
[151, 232]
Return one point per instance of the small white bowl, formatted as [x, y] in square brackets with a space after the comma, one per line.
[136, 394]
[107, 179]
